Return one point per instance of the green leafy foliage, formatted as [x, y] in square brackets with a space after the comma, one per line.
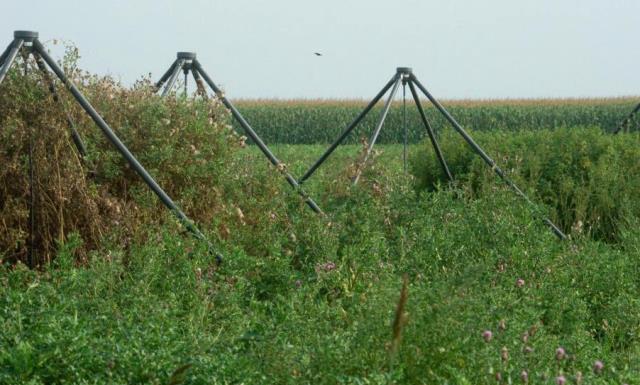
[137, 315]
[587, 178]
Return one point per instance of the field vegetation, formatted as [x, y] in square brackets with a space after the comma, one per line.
[408, 280]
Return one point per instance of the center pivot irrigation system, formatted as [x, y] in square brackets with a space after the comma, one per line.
[405, 76]
[28, 44]
[186, 62]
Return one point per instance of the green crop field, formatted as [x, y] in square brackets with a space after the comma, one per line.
[408, 279]
[321, 121]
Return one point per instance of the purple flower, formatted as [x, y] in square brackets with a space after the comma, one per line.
[520, 282]
[561, 380]
[598, 366]
[560, 353]
[326, 267]
[298, 283]
[487, 335]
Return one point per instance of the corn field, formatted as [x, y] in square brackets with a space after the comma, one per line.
[321, 121]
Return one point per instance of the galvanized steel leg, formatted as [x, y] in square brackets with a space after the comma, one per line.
[430, 132]
[200, 90]
[4, 54]
[31, 257]
[404, 125]
[197, 67]
[174, 76]
[166, 75]
[186, 76]
[483, 155]
[10, 58]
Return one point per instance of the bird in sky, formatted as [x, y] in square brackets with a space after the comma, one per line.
[317, 53]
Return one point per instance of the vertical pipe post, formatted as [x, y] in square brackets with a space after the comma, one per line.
[31, 258]
[25, 64]
[32, 205]
[404, 124]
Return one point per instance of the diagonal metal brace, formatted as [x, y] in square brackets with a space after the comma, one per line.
[197, 67]
[490, 162]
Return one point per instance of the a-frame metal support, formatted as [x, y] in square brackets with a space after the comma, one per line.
[406, 75]
[187, 62]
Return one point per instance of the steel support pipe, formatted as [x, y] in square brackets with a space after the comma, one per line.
[197, 67]
[484, 155]
[166, 75]
[174, 76]
[4, 54]
[430, 132]
[200, 90]
[405, 133]
[10, 58]
[186, 77]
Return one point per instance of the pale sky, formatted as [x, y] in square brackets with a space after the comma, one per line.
[265, 49]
